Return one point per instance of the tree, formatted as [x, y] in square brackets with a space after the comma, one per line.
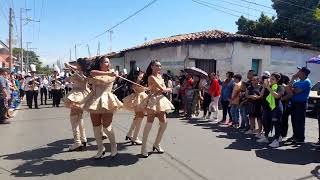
[263, 27]
[33, 58]
[296, 20]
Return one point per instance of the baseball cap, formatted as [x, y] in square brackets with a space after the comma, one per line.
[266, 74]
[305, 70]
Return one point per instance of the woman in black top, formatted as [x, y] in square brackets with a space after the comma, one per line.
[272, 109]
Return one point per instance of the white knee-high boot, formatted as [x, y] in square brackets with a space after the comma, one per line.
[83, 136]
[156, 145]
[146, 132]
[74, 120]
[98, 136]
[110, 133]
[135, 139]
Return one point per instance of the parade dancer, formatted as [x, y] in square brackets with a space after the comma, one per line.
[101, 103]
[132, 103]
[156, 105]
[74, 101]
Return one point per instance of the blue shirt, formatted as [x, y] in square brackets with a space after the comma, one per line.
[305, 85]
[226, 91]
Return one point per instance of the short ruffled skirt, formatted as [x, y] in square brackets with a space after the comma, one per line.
[75, 98]
[105, 103]
[133, 101]
[157, 103]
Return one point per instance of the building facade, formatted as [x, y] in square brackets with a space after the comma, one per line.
[5, 58]
[217, 51]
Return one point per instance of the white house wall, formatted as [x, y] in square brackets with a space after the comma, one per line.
[286, 60]
[172, 58]
[141, 56]
[245, 52]
[117, 62]
[233, 56]
[221, 52]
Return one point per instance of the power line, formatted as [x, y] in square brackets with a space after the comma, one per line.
[205, 3]
[4, 14]
[124, 20]
[215, 8]
[291, 4]
[217, 5]
[41, 14]
[15, 22]
[247, 7]
[212, 7]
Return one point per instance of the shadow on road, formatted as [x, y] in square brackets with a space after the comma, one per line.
[300, 155]
[39, 161]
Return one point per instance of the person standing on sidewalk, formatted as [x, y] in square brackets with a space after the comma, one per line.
[226, 92]
[214, 93]
[3, 96]
[317, 144]
[235, 101]
[301, 87]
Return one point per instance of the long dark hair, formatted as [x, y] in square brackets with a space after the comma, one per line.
[198, 83]
[134, 73]
[97, 62]
[148, 72]
[85, 65]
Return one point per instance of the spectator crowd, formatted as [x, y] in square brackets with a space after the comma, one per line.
[256, 106]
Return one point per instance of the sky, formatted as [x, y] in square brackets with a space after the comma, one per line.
[64, 23]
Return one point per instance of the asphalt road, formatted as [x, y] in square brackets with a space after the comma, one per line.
[34, 147]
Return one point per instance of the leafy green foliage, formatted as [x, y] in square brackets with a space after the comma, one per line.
[297, 20]
[33, 58]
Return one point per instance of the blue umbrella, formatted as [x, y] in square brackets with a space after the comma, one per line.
[314, 60]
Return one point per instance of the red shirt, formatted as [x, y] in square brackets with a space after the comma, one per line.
[215, 88]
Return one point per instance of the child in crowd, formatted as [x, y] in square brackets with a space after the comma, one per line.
[235, 100]
[176, 98]
[243, 108]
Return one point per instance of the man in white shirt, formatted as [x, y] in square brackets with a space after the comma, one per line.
[33, 87]
[44, 89]
[56, 89]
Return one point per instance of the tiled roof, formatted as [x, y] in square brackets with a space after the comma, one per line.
[220, 36]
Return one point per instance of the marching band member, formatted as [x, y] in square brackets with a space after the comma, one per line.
[33, 83]
[101, 103]
[56, 87]
[74, 101]
[132, 103]
[156, 104]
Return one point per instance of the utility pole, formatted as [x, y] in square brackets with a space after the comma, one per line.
[21, 32]
[10, 38]
[70, 59]
[21, 50]
[110, 40]
[27, 57]
[75, 51]
[89, 50]
[98, 50]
